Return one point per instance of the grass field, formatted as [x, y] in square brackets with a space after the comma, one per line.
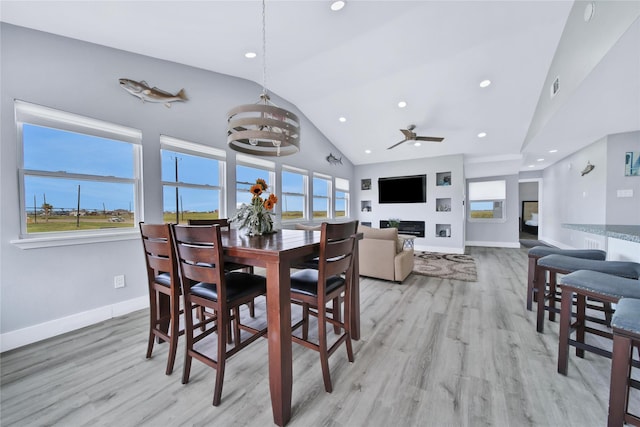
[482, 214]
[68, 223]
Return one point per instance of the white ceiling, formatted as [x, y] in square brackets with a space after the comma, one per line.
[359, 62]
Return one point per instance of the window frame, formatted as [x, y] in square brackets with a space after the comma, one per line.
[199, 150]
[329, 196]
[340, 187]
[256, 163]
[488, 199]
[304, 194]
[37, 115]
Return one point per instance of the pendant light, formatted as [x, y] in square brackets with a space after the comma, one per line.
[263, 129]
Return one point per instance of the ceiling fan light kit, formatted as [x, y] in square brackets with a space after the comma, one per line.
[410, 135]
[263, 129]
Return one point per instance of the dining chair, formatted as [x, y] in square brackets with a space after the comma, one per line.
[228, 265]
[313, 289]
[164, 288]
[206, 284]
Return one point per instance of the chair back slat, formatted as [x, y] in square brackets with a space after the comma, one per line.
[159, 252]
[199, 252]
[222, 222]
[337, 244]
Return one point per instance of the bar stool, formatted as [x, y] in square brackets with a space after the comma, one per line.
[562, 264]
[537, 252]
[593, 284]
[626, 334]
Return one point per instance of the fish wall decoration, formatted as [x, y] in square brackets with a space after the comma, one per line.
[334, 160]
[142, 90]
[587, 169]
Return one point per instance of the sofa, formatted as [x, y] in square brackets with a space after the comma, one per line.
[382, 254]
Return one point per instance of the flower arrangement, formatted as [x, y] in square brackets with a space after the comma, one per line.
[256, 217]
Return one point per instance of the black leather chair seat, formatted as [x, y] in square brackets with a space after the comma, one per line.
[306, 282]
[163, 279]
[238, 285]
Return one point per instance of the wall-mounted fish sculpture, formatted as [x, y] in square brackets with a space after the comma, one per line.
[142, 90]
[334, 160]
[587, 169]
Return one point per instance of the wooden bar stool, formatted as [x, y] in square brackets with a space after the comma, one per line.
[562, 264]
[588, 284]
[626, 334]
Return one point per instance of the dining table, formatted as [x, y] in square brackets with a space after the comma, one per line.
[278, 252]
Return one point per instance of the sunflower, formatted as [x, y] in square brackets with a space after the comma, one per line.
[262, 183]
[256, 190]
[273, 198]
[268, 204]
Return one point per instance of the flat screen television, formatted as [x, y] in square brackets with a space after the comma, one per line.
[402, 189]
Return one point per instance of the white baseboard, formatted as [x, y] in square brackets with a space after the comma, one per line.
[514, 245]
[554, 243]
[21, 337]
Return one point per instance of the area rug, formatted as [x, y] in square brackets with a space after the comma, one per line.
[445, 266]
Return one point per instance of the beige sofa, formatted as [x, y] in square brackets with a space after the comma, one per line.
[382, 254]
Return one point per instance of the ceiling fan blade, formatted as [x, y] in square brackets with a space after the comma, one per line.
[429, 138]
[408, 135]
[396, 144]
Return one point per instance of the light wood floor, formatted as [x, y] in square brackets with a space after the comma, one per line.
[433, 353]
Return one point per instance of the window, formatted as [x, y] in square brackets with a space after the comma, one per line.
[486, 200]
[342, 198]
[193, 178]
[248, 169]
[76, 173]
[321, 196]
[294, 194]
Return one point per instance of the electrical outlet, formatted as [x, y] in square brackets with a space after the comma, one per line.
[118, 281]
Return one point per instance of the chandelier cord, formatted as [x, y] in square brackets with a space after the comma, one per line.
[264, 50]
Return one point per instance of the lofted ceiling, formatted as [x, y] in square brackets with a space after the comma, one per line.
[358, 63]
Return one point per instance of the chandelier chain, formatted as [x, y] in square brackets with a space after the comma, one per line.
[264, 49]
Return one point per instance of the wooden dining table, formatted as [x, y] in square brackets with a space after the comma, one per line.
[277, 253]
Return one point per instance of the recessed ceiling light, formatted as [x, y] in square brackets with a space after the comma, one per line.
[367, 151]
[482, 134]
[337, 5]
[531, 166]
[250, 55]
[540, 160]
[485, 83]
[416, 144]
[342, 119]
[402, 104]
[553, 151]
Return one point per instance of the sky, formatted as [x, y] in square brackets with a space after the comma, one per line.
[53, 150]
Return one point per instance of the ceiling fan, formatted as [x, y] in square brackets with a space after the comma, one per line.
[410, 135]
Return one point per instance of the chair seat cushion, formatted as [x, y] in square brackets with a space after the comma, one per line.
[163, 279]
[540, 251]
[238, 285]
[602, 283]
[306, 282]
[626, 269]
[627, 315]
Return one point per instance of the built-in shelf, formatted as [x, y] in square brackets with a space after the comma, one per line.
[443, 178]
[365, 206]
[443, 205]
[443, 230]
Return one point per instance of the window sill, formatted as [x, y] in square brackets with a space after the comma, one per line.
[78, 239]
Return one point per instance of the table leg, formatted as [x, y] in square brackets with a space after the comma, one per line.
[279, 333]
[355, 296]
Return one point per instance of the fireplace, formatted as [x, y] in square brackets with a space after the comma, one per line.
[412, 228]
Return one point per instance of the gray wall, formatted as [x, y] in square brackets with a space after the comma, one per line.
[497, 233]
[622, 210]
[50, 284]
[570, 197]
[419, 211]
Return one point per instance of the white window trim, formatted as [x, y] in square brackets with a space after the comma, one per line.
[329, 197]
[256, 163]
[305, 195]
[488, 199]
[194, 149]
[339, 187]
[39, 115]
